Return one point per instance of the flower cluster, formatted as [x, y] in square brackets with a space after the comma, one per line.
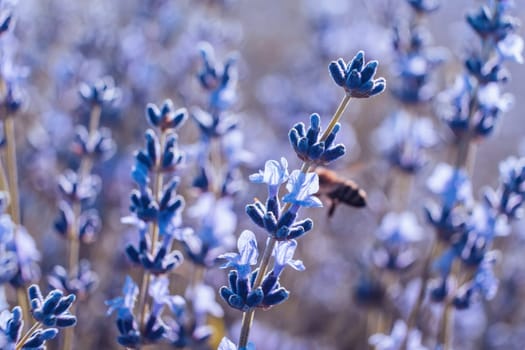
[356, 77]
[310, 147]
[49, 313]
[404, 140]
[76, 221]
[250, 289]
[219, 154]
[241, 293]
[475, 103]
[156, 214]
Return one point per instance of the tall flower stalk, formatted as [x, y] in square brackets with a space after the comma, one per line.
[404, 139]
[76, 222]
[156, 211]
[470, 109]
[12, 99]
[249, 289]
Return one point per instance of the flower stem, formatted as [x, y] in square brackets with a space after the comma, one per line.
[146, 277]
[247, 317]
[14, 206]
[86, 164]
[336, 117]
[26, 336]
[12, 172]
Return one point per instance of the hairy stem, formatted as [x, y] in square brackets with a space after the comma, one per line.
[247, 317]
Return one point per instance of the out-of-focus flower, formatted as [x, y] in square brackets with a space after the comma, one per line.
[103, 91]
[424, 6]
[404, 140]
[227, 344]
[216, 231]
[394, 340]
[399, 228]
[166, 117]
[123, 305]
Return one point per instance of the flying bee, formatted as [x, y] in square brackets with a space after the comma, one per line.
[339, 190]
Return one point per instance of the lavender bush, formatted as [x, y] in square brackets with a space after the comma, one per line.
[191, 154]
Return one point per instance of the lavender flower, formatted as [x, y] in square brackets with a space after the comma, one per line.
[216, 231]
[453, 186]
[508, 198]
[219, 80]
[356, 78]
[227, 344]
[283, 253]
[403, 141]
[247, 256]
[274, 175]
[395, 234]
[395, 340]
[424, 6]
[165, 117]
[310, 147]
[301, 188]
[101, 92]
[123, 305]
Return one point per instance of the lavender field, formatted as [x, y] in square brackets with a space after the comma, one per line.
[250, 174]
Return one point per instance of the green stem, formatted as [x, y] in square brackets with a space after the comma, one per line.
[247, 317]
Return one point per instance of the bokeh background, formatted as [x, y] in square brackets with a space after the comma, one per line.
[150, 50]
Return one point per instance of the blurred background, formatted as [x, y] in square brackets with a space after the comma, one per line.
[150, 49]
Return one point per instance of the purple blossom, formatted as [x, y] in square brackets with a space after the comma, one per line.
[283, 253]
[227, 344]
[394, 340]
[159, 292]
[301, 188]
[217, 227]
[451, 184]
[274, 175]
[403, 140]
[511, 48]
[400, 228]
[126, 302]
[247, 256]
[203, 300]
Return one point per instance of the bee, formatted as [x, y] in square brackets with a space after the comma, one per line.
[339, 190]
